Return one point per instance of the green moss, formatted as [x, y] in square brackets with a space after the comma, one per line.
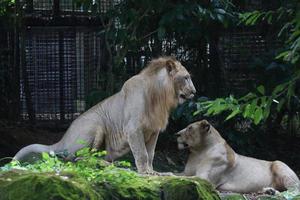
[90, 179]
[130, 189]
[267, 197]
[36, 186]
[296, 197]
[233, 197]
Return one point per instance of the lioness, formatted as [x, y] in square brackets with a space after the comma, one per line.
[211, 158]
[130, 119]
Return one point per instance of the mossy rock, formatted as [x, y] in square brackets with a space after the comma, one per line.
[183, 188]
[23, 185]
[36, 186]
[124, 191]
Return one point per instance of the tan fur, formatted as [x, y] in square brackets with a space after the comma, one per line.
[230, 155]
[211, 158]
[129, 120]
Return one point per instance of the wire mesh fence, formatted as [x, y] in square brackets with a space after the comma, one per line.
[8, 76]
[98, 6]
[240, 48]
[60, 65]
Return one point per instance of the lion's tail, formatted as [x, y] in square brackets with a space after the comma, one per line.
[32, 152]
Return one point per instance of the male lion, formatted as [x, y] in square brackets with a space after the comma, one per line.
[130, 119]
[211, 158]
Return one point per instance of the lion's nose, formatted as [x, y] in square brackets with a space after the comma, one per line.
[178, 133]
[194, 91]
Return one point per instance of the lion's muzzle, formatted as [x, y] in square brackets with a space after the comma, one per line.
[180, 140]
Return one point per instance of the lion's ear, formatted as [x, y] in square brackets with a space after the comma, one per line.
[170, 66]
[205, 125]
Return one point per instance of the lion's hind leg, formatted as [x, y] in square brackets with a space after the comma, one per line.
[98, 139]
[284, 177]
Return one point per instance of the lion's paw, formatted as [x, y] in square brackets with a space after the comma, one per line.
[155, 173]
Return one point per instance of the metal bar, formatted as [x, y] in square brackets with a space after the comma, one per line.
[61, 74]
[29, 103]
[29, 6]
[56, 9]
[16, 64]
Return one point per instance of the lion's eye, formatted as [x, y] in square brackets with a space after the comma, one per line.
[187, 77]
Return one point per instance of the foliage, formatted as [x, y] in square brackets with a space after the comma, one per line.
[136, 31]
[288, 19]
[281, 95]
[92, 177]
[4, 6]
[183, 21]
[254, 106]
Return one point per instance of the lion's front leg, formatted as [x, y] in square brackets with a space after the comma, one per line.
[137, 145]
[150, 146]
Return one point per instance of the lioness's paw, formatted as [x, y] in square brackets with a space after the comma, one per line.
[270, 191]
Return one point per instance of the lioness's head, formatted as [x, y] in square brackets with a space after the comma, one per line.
[179, 76]
[193, 134]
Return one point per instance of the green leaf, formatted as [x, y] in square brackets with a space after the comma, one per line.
[253, 107]
[45, 156]
[247, 111]
[269, 19]
[233, 113]
[258, 115]
[253, 18]
[210, 111]
[248, 97]
[263, 101]
[282, 55]
[196, 112]
[278, 89]
[290, 93]
[261, 89]
[219, 109]
[267, 109]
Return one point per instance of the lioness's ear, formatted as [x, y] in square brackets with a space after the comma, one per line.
[205, 125]
[170, 66]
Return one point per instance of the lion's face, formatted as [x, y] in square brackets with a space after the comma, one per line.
[193, 134]
[184, 87]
